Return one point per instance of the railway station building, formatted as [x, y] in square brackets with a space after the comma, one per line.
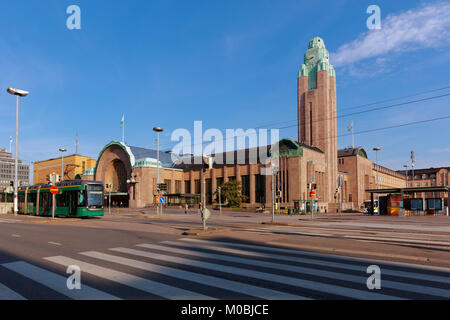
[130, 172]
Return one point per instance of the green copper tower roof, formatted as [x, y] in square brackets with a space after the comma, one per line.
[316, 59]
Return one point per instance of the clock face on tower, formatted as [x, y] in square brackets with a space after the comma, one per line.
[311, 58]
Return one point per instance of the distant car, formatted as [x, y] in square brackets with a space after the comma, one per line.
[367, 210]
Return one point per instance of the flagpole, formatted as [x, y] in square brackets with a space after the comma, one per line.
[353, 139]
[123, 128]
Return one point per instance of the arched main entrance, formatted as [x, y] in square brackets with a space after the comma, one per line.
[114, 169]
[116, 174]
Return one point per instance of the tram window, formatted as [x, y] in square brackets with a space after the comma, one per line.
[81, 198]
[61, 200]
[32, 198]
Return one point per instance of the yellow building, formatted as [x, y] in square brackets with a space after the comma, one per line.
[74, 167]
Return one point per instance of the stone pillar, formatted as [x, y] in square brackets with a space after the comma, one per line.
[192, 181]
[225, 174]
[183, 187]
[251, 172]
[172, 182]
[213, 184]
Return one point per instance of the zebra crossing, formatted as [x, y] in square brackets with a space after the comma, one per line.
[195, 269]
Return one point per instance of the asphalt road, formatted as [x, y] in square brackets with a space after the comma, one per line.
[119, 262]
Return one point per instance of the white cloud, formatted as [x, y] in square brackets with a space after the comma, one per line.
[424, 27]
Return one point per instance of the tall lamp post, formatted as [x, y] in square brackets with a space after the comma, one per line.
[376, 149]
[273, 170]
[18, 93]
[406, 168]
[62, 150]
[157, 130]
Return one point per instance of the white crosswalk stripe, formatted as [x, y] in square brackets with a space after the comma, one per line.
[318, 286]
[192, 269]
[259, 292]
[56, 282]
[302, 270]
[150, 286]
[224, 246]
[8, 294]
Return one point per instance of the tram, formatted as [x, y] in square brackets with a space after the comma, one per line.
[75, 198]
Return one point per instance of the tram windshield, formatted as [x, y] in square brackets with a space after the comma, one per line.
[94, 195]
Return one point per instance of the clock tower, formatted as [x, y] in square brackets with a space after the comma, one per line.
[317, 124]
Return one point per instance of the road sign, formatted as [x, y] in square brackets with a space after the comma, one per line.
[162, 200]
[207, 214]
[54, 190]
[158, 196]
[162, 186]
[313, 194]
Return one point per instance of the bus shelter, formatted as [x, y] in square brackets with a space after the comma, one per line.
[397, 201]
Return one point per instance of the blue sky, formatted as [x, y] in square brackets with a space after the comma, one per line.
[231, 64]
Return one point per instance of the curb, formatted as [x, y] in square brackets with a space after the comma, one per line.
[151, 217]
[199, 232]
[56, 220]
[282, 224]
[362, 254]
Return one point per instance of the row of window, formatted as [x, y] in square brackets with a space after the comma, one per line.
[431, 176]
[245, 180]
[12, 166]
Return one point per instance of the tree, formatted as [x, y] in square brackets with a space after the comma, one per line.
[231, 193]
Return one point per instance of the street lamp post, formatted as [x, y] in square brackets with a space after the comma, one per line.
[406, 167]
[157, 130]
[376, 149]
[18, 93]
[220, 201]
[62, 150]
[273, 171]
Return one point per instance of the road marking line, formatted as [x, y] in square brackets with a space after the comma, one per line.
[157, 288]
[301, 283]
[16, 235]
[57, 282]
[304, 270]
[8, 294]
[55, 243]
[343, 264]
[8, 221]
[248, 289]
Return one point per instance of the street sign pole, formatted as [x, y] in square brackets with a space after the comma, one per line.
[109, 201]
[53, 206]
[53, 190]
[220, 203]
[203, 198]
[273, 194]
[340, 181]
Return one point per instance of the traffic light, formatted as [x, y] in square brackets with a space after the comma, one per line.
[11, 183]
[207, 162]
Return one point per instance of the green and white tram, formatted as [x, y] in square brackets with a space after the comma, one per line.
[75, 198]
